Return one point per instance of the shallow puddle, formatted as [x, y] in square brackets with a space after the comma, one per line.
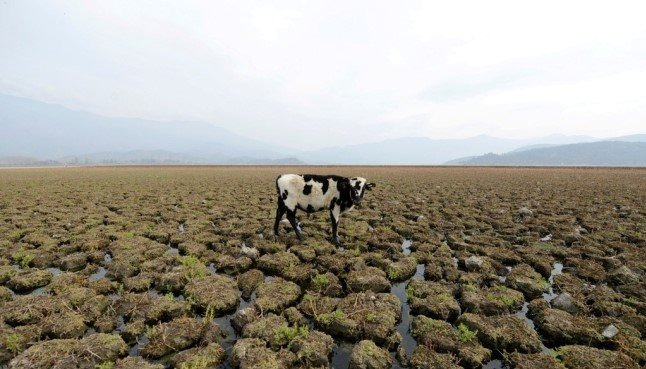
[522, 313]
[231, 335]
[141, 342]
[98, 275]
[153, 292]
[211, 268]
[120, 324]
[172, 250]
[503, 278]
[40, 291]
[341, 355]
[549, 296]
[406, 246]
[495, 364]
[556, 270]
[399, 290]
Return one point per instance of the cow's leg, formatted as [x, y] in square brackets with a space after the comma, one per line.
[280, 210]
[334, 219]
[291, 216]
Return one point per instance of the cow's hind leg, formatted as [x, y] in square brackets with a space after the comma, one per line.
[280, 210]
[291, 216]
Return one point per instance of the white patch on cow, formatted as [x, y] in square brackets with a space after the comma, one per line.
[336, 212]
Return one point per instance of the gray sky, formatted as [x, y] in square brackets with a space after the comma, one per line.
[338, 72]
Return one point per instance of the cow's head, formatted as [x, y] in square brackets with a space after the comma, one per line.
[358, 186]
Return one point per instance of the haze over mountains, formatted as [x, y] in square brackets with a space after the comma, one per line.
[36, 133]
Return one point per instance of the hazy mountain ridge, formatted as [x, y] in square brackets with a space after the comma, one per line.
[50, 132]
[26, 161]
[602, 153]
[139, 157]
[426, 151]
[37, 133]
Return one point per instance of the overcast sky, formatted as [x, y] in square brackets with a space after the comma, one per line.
[319, 73]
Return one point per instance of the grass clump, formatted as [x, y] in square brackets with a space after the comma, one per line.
[193, 267]
[288, 334]
[275, 247]
[507, 301]
[465, 334]
[150, 332]
[14, 343]
[393, 273]
[410, 291]
[545, 284]
[16, 235]
[210, 313]
[328, 318]
[198, 362]
[320, 281]
[105, 365]
[505, 296]
[22, 258]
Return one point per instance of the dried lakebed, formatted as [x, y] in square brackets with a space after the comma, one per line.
[441, 268]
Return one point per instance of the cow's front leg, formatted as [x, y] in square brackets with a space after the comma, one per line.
[291, 216]
[334, 219]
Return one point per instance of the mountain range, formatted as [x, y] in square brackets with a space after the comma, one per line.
[602, 153]
[37, 133]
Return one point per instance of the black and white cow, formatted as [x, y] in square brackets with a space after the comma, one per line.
[312, 193]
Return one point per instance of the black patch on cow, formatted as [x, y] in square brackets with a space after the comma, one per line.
[332, 203]
[308, 209]
[326, 184]
[285, 195]
[280, 210]
[291, 216]
[307, 189]
[345, 200]
[322, 179]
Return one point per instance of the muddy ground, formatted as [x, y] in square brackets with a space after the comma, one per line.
[141, 267]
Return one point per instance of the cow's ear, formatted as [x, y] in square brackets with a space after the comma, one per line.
[370, 186]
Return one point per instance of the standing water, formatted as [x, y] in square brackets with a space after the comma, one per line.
[556, 270]
[406, 247]
[399, 290]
